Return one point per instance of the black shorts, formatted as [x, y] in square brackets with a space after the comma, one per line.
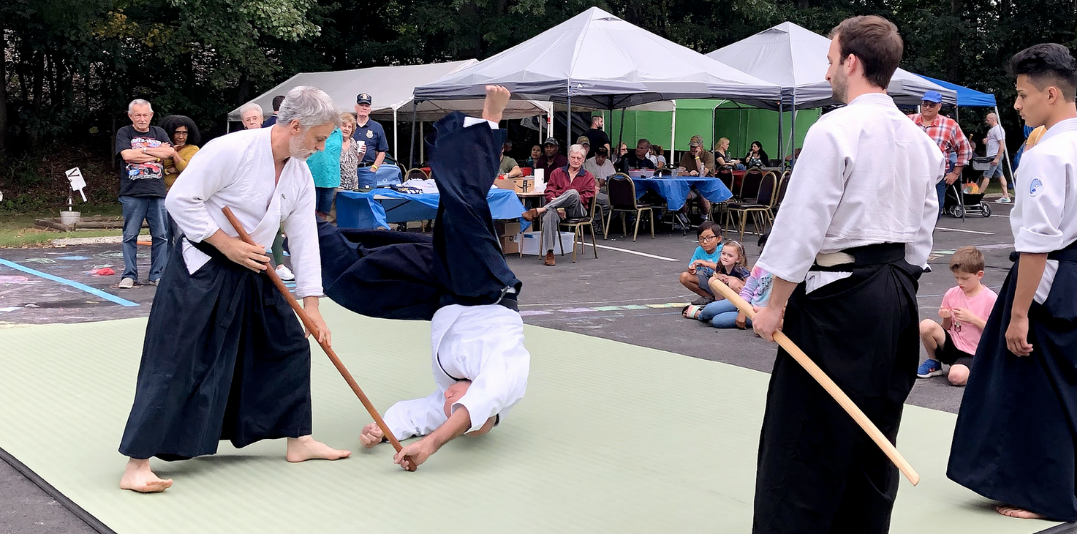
[950, 354]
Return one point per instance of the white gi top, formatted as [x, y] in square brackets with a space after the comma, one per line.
[1044, 216]
[866, 176]
[237, 170]
[484, 344]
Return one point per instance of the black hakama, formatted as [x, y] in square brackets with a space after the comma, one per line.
[398, 275]
[1017, 427]
[224, 358]
[818, 471]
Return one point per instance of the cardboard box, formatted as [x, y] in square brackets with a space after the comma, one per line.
[531, 242]
[510, 244]
[520, 185]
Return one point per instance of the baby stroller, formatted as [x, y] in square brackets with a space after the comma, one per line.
[958, 202]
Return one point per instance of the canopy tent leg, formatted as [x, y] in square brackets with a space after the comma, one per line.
[414, 116]
[396, 136]
[422, 146]
[620, 136]
[781, 148]
[672, 135]
[568, 123]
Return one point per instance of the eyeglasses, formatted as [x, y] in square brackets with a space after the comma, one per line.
[927, 104]
[707, 238]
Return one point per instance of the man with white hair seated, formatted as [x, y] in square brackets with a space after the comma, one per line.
[225, 356]
[569, 193]
[251, 115]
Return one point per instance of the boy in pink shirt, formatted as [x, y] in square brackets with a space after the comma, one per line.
[964, 313]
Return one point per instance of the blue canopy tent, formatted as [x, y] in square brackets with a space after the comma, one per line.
[972, 98]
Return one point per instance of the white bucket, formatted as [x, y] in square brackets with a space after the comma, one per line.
[69, 218]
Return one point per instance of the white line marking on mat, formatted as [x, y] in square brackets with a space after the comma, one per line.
[965, 231]
[644, 254]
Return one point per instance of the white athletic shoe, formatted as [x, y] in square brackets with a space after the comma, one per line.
[1003, 200]
[126, 283]
[285, 273]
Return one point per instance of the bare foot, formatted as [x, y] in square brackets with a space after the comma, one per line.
[305, 448]
[1019, 513]
[138, 477]
[497, 97]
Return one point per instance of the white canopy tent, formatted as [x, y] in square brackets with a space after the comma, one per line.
[598, 61]
[390, 89]
[795, 59]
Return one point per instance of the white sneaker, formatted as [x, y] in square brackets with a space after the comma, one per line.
[285, 273]
[126, 283]
[1003, 200]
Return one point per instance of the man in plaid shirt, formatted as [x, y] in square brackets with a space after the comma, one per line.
[947, 134]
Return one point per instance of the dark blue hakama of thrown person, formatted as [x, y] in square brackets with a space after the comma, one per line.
[1017, 427]
[398, 275]
[224, 358]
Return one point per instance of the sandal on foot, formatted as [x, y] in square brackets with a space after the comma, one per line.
[692, 311]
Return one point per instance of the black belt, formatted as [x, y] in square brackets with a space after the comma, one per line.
[868, 255]
[1065, 254]
[363, 165]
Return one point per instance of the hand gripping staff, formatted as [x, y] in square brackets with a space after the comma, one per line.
[410, 464]
[830, 387]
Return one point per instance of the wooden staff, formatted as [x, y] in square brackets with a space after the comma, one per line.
[410, 464]
[850, 407]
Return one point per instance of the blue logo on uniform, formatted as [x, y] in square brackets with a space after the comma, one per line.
[1035, 187]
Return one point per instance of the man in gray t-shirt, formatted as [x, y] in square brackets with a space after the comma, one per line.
[996, 147]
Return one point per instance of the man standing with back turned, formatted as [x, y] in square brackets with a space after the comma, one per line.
[846, 261]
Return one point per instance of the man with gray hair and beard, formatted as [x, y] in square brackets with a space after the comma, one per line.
[225, 356]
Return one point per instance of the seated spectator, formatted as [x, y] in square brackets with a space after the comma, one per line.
[659, 157]
[251, 115]
[756, 156]
[725, 314]
[696, 162]
[585, 142]
[636, 160]
[569, 193]
[550, 159]
[536, 153]
[732, 267]
[508, 167]
[792, 158]
[601, 168]
[185, 139]
[704, 262]
[964, 313]
[622, 151]
[721, 157]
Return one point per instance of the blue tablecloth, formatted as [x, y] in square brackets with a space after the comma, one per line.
[675, 190]
[380, 207]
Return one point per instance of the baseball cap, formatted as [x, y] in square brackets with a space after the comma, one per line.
[932, 96]
[583, 140]
[693, 144]
[363, 98]
[551, 141]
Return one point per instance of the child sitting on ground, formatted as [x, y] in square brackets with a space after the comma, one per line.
[964, 313]
[732, 270]
[724, 314]
[703, 263]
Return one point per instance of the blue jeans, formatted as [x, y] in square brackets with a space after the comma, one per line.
[721, 314]
[152, 210]
[386, 175]
[323, 199]
[941, 189]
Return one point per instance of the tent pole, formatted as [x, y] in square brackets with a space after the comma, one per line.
[414, 115]
[568, 124]
[621, 136]
[422, 146]
[781, 148]
[396, 136]
[672, 135]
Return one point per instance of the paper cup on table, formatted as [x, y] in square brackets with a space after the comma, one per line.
[540, 176]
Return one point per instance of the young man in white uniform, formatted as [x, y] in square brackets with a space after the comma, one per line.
[225, 356]
[845, 254]
[1016, 433]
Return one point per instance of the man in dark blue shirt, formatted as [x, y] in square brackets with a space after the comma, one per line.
[276, 107]
[372, 146]
[636, 160]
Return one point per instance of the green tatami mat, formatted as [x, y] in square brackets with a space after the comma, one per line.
[610, 438]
